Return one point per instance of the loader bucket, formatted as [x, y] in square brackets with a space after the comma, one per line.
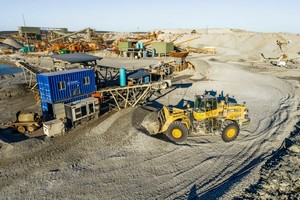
[151, 123]
[154, 121]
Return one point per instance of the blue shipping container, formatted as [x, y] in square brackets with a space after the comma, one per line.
[64, 86]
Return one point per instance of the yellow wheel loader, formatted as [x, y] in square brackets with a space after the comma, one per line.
[210, 114]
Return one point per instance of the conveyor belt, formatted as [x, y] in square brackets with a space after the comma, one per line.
[29, 67]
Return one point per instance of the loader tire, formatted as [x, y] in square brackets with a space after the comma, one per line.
[177, 132]
[31, 128]
[230, 131]
[21, 129]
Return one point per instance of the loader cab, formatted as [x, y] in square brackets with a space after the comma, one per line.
[205, 103]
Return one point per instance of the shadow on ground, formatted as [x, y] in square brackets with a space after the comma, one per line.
[219, 190]
[162, 93]
[10, 135]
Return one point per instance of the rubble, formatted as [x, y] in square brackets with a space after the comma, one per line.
[294, 148]
[280, 176]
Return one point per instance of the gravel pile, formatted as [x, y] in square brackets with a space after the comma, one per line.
[280, 176]
[12, 91]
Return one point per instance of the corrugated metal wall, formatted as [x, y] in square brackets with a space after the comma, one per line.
[74, 85]
[123, 46]
[163, 47]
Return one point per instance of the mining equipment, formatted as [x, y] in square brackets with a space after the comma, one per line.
[26, 122]
[210, 114]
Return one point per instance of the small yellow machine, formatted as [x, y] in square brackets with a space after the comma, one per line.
[26, 122]
[210, 114]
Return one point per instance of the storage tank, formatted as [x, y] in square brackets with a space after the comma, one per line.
[137, 46]
[122, 77]
[141, 45]
[153, 52]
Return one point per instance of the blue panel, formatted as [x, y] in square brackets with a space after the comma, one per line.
[146, 79]
[44, 106]
[73, 80]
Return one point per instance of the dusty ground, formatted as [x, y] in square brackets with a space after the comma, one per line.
[115, 158]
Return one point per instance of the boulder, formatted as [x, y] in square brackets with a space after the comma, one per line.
[294, 148]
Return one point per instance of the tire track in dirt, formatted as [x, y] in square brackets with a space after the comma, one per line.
[268, 137]
[10, 169]
[116, 161]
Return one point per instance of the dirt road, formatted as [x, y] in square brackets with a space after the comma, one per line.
[115, 159]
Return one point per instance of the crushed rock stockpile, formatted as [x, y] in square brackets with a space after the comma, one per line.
[235, 44]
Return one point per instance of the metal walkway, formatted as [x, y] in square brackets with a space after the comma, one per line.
[130, 96]
[28, 69]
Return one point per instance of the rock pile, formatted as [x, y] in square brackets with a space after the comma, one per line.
[280, 176]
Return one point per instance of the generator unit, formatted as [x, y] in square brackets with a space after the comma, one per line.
[53, 127]
[84, 109]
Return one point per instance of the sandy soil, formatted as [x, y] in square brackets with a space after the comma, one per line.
[116, 159]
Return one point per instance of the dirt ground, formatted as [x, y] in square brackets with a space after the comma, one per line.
[114, 158]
